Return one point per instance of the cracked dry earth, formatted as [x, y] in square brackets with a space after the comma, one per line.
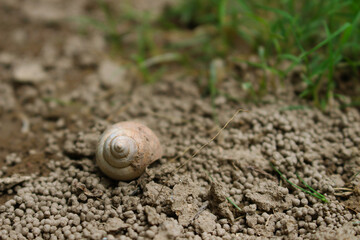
[59, 91]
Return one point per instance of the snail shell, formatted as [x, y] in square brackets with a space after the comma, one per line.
[126, 149]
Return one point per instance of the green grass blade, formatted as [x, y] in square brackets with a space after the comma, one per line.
[294, 107]
[291, 57]
[326, 41]
[280, 12]
[322, 197]
[222, 13]
[318, 46]
[296, 186]
[233, 203]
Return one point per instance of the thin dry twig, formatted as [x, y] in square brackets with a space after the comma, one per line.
[352, 209]
[343, 191]
[201, 209]
[211, 140]
[253, 168]
[201, 148]
[268, 220]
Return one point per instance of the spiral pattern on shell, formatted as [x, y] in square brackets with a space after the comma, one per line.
[119, 150]
[126, 149]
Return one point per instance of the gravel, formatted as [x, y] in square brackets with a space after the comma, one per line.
[52, 189]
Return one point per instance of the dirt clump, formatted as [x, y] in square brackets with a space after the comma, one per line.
[353, 201]
[185, 197]
[218, 202]
[268, 196]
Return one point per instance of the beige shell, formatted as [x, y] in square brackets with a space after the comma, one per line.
[126, 149]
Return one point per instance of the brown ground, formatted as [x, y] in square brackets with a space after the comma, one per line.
[59, 90]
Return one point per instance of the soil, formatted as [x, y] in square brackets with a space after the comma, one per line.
[59, 90]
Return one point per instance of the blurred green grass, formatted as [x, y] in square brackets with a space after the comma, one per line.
[321, 38]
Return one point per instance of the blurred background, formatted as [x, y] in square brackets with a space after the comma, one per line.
[310, 46]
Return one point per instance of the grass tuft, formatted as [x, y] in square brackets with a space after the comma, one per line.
[318, 38]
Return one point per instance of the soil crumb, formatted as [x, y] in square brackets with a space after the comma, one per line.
[60, 90]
